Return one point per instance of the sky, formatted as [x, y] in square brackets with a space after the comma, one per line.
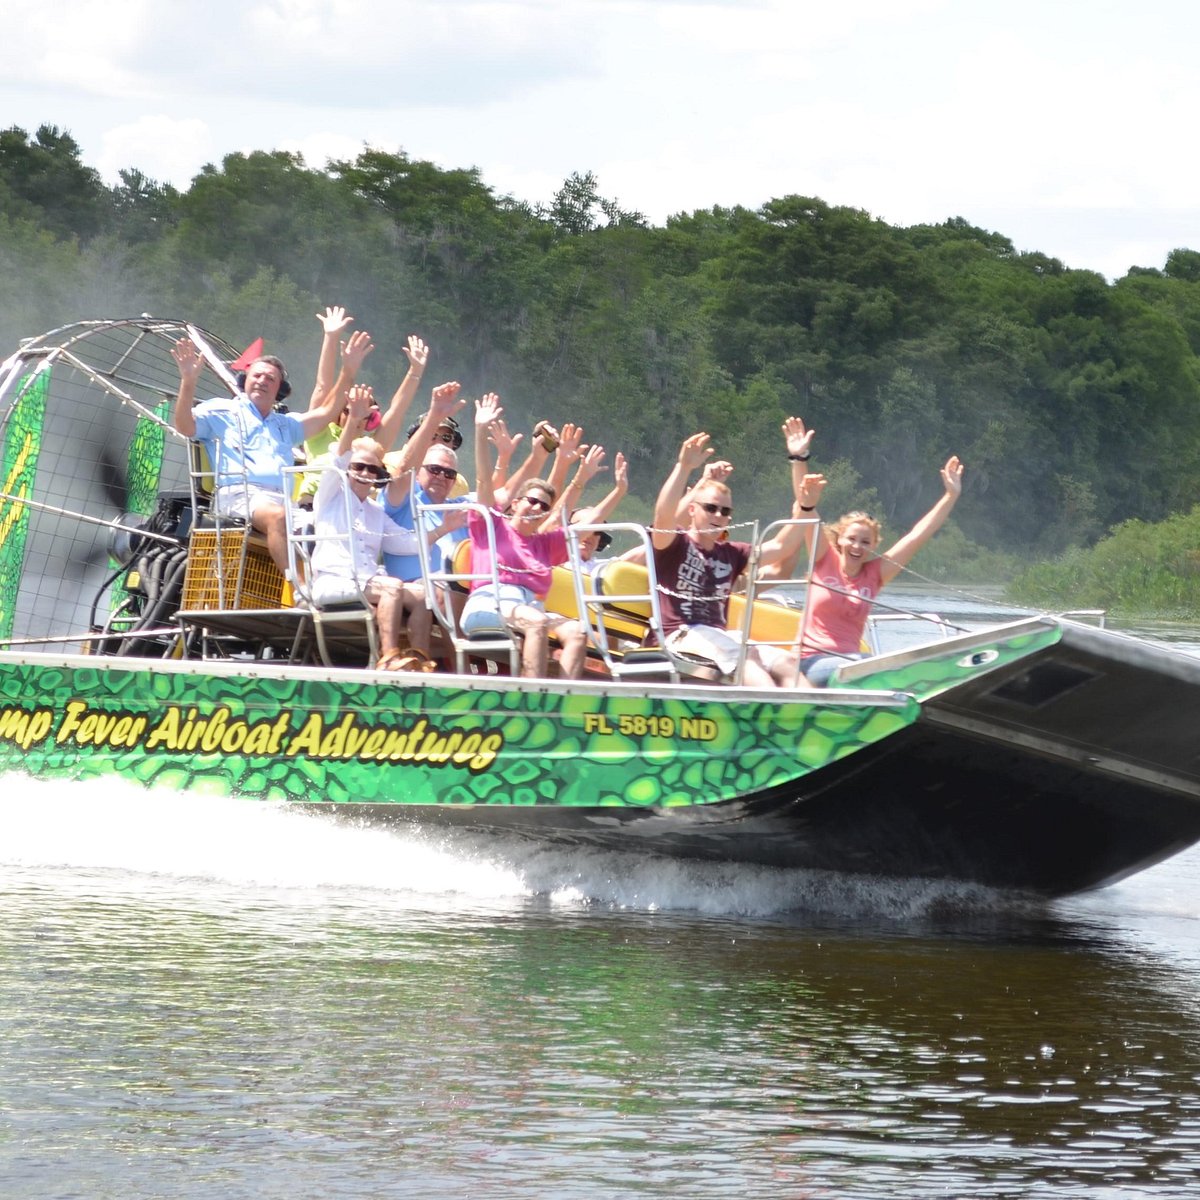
[1064, 125]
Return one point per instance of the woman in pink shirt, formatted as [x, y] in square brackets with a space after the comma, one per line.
[525, 558]
[849, 572]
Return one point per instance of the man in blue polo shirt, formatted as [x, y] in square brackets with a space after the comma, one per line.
[248, 443]
[434, 479]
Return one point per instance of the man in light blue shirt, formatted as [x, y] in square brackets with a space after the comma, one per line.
[248, 443]
[434, 479]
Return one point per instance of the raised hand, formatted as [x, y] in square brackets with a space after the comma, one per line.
[355, 349]
[188, 359]
[547, 434]
[504, 442]
[695, 451]
[718, 471]
[570, 443]
[811, 489]
[360, 400]
[418, 354]
[799, 440]
[952, 474]
[591, 463]
[445, 400]
[487, 410]
[335, 319]
[620, 472]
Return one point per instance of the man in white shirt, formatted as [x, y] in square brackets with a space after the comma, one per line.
[351, 528]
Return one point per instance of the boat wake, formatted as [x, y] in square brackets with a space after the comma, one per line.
[110, 835]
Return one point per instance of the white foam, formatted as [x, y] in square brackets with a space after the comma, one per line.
[114, 834]
[111, 825]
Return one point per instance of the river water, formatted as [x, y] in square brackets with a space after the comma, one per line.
[202, 998]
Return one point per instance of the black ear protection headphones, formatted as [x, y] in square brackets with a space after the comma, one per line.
[285, 388]
[448, 423]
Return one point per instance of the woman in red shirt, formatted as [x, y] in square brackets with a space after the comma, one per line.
[849, 572]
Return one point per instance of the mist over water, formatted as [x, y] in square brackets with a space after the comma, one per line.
[116, 835]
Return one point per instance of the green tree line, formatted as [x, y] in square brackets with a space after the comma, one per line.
[1074, 402]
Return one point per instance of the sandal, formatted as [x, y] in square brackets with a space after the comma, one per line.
[415, 660]
[388, 660]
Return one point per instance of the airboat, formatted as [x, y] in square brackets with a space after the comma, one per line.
[141, 640]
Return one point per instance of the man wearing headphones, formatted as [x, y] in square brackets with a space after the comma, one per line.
[249, 443]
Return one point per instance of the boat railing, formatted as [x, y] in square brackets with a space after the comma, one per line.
[445, 588]
[593, 606]
[878, 622]
[1099, 615]
[231, 567]
[347, 607]
[754, 592]
[598, 604]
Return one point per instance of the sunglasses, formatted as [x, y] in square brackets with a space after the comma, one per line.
[445, 436]
[371, 421]
[438, 469]
[371, 469]
[537, 502]
[712, 509]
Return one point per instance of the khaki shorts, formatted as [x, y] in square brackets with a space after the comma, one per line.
[243, 500]
[720, 646]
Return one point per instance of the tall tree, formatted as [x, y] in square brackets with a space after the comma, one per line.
[43, 178]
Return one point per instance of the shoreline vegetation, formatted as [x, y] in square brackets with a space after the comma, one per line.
[1140, 569]
[1073, 401]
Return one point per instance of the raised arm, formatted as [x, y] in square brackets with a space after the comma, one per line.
[785, 546]
[799, 450]
[393, 419]
[358, 403]
[590, 465]
[808, 499]
[600, 513]
[545, 440]
[506, 444]
[190, 363]
[570, 450]
[718, 471]
[487, 410]
[444, 402]
[332, 324]
[356, 348]
[692, 454]
[901, 554]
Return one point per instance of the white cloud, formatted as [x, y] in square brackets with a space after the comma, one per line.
[318, 148]
[78, 46]
[163, 148]
[1018, 119]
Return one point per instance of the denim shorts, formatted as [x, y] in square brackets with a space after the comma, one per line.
[819, 667]
[486, 610]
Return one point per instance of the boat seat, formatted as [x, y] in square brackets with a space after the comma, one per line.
[350, 612]
[229, 564]
[561, 599]
[629, 609]
[496, 644]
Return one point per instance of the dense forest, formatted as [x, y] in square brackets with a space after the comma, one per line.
[1074, 402]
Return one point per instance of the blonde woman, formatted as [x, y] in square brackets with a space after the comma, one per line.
[849, 573]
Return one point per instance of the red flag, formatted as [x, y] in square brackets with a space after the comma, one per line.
[252, 353]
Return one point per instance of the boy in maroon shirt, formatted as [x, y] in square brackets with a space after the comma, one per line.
[697, 568]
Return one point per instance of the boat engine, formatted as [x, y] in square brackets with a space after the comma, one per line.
[150, 554]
